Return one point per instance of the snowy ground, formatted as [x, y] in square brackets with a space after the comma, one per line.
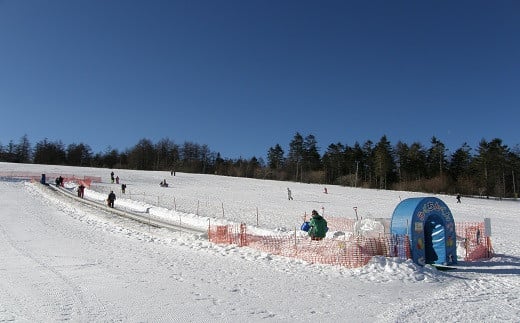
[62, 260]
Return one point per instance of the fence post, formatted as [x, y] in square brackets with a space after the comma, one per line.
[149, 221]
[243, 235]
[295, 243]
[209, 229]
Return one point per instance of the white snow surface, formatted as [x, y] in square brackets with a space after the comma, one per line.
[62, 260]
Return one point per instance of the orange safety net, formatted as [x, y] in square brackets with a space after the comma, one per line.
[341, 224]
[473, 239]
[347, 251]
[86, 180]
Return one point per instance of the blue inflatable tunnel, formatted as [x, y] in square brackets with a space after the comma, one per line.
[430, 227]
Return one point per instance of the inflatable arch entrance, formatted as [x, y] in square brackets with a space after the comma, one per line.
[429, 225]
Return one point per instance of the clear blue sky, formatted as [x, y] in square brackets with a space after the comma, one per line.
[244, 75]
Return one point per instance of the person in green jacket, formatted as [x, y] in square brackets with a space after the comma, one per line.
[318, 226]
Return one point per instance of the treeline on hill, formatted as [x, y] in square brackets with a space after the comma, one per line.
[490, 171]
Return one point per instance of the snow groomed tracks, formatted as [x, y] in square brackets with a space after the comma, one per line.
[125, 213]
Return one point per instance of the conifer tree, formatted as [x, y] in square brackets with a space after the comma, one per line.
[275, 157]
[384, 163]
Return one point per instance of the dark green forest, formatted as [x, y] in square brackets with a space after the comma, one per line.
[491, 169]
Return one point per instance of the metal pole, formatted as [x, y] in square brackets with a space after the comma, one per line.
[357, 167]
[295, 243]
[514, 184]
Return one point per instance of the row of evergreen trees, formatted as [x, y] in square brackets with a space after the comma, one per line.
[490, 170]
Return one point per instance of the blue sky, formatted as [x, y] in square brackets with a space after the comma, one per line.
[243, 76]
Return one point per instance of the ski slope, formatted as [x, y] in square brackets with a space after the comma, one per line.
[63, 260]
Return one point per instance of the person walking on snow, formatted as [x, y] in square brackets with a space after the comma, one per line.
[81, 190]
[289, 194]
[318, 226]
[111, 198]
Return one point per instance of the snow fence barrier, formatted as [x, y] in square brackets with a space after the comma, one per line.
[473, 241]
[347, 250]
[350, 252]
[50, 177]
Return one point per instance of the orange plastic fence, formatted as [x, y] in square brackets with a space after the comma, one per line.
[85, 180]
[347, 252]
[341, 224]
[472, 236]
[351, 252]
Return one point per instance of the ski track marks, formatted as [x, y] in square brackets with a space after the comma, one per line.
[149, 268]
[57, 289]
[147, 245]
[452, 303]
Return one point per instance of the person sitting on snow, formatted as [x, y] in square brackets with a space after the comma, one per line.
[317, 226]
